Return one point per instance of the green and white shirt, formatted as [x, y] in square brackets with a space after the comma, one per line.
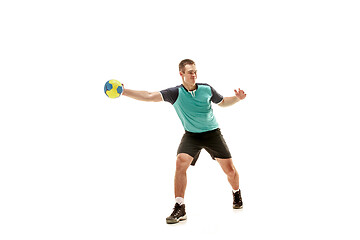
[194, 107]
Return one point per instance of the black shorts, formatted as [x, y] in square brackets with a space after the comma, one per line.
[212, 141]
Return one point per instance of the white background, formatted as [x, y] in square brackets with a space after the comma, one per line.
[78, 165]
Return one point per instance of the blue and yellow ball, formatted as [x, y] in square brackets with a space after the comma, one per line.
[113, 88]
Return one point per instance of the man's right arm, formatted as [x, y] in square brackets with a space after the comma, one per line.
[143, 95]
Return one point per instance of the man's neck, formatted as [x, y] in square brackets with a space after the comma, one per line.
[189, 87]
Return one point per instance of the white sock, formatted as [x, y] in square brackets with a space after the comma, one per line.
[234, 191]
[179, 200]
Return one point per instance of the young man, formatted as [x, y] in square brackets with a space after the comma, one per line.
[192, 102]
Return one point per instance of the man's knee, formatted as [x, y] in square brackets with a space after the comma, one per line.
[231, 172]
[228, 166]
[183, 161]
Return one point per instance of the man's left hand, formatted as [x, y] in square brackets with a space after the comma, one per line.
[240, 94]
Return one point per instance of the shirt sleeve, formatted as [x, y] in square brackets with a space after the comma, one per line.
[170, 94]
[216, 97]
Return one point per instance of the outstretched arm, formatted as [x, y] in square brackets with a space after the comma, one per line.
[143, 95]
[228, 101]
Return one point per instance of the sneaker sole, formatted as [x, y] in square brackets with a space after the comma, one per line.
[236, 207]
[172, 221]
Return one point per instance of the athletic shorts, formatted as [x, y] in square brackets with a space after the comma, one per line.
[212, 141]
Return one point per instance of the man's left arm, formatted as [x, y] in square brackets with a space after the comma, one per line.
[228, 101]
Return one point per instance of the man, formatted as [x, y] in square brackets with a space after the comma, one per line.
[192, 102]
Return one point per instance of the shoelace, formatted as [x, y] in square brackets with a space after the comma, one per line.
[237, 197]
[177, 211]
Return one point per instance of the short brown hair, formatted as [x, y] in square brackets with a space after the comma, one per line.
[185, 62]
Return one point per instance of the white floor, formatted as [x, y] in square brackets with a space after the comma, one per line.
[98, 201]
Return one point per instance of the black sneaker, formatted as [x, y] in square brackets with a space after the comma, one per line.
[177, 215]
[237, 203]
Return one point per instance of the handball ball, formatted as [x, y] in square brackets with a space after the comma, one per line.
[113, 88]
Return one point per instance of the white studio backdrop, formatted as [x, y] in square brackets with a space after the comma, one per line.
[78, 165]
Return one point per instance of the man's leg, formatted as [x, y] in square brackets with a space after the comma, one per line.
[230, 170]
[233, 178]
[183, 161]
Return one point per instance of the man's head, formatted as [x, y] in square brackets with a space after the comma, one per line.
[185, 62]
[188, 71]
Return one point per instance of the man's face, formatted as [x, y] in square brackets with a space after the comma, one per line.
[189, 76]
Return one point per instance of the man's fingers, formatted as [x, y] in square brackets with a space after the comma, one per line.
[239, 91]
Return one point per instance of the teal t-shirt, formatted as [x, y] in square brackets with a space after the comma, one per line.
[194, 107]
